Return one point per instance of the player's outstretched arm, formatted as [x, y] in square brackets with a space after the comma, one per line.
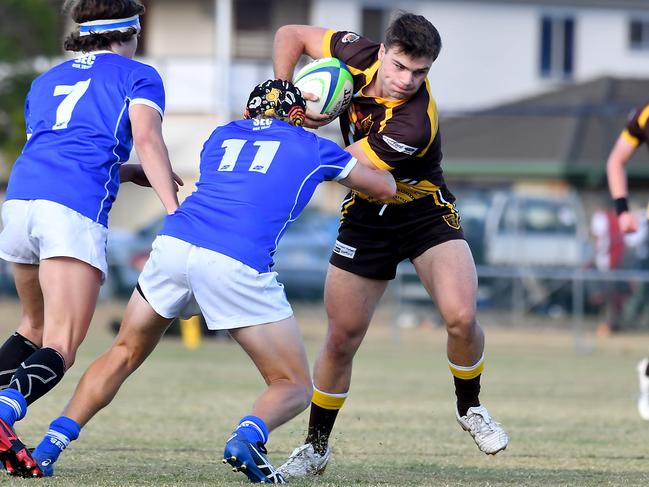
[152, 151]
[376, 183]
[617, 179]
[368, 179]
[291, 41]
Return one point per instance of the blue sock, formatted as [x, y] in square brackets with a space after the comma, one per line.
[13, 406]
[253, 429]
[62, 431]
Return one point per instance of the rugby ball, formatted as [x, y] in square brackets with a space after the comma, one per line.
[330, 80]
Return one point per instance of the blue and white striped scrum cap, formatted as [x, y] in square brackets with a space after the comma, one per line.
[276, 99]
[109, 25]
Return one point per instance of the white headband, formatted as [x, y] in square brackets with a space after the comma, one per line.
[99, 26]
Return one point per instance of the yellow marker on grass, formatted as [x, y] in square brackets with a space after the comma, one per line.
[190, 332]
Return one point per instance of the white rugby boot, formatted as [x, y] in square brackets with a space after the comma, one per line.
[487, 434]
[643, 398]
[304, 462]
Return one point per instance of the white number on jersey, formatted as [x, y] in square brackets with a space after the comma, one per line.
[262, 160]
[73, 95]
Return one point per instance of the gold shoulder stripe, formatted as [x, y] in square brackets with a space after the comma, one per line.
[432, 116]
[626, 135]
[642, 119]
[376, 160]
[326, 43]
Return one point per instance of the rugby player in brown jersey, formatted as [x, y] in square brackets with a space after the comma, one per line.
[391, 124]
[634, 134]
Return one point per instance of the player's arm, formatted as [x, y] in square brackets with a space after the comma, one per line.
[617, 180]
[152, 151]
[373, 182]
[291, 41]
[367, 178]
[134, 173]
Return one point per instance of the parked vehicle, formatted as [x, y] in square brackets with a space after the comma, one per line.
[127, 252]
[548, 229]
[303, 254]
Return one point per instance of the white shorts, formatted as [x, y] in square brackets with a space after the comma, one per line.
[35, 230]
[181, 279]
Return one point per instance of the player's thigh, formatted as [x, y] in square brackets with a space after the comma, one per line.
[70, 289]
[350, 300]
[448, 273]
[31, 300]
[141, 329]
[276, 349]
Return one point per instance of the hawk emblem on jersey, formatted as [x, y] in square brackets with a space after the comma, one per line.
[350, 37]
[398, 146]
[362, 125]
[452, 220]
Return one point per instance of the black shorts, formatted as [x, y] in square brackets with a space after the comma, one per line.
[373, 238]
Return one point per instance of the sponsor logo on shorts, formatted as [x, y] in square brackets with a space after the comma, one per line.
[452, 220]
[350, 37]
[398, 146]
[344, 250]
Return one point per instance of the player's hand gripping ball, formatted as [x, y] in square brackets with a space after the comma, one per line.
[331, 81]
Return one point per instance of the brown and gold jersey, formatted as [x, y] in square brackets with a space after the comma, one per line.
[401, 136]
[637, 128]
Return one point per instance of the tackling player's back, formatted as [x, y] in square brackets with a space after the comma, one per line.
[256, 177]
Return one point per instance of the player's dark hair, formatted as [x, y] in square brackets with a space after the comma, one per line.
[87, 10]
[413, 35]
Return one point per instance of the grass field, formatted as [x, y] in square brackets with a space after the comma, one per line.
[571, 417]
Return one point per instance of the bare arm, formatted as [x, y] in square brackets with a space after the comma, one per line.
[617, 180]
[366, 178]
[291, 41]
[152, 151]
[134, 173]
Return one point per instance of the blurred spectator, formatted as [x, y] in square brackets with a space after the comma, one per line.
[608, 250]
[636, 308]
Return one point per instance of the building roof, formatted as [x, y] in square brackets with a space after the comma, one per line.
[566, 134]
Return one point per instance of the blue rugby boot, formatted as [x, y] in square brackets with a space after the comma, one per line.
[250, 459]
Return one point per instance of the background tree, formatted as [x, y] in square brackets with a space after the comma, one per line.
[29, 29]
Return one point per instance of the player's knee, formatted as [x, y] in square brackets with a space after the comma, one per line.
[304, 393]
[461, 323]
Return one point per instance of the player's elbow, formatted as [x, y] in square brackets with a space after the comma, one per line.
[386, 188]
[143, 138]
[287, 34]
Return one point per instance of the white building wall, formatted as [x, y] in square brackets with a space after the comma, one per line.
[336, 14]
[180, 28]
[603, 45]
[489, 53]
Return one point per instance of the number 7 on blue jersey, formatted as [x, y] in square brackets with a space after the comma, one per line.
[73, 95]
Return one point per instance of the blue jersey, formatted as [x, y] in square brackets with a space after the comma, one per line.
[79, 131]
[256, 178]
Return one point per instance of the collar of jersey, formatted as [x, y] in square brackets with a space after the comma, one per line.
[105, 51]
